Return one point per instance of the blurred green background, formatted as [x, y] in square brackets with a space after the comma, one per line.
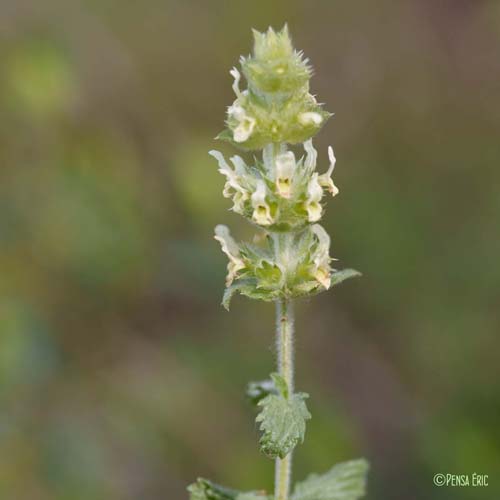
[121, 377]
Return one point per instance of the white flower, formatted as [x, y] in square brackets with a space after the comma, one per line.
[231, 249]
[325, 179]
[311, 156]
[285, 167]
[314, 195]
[246, 123]
[236, 84]
[236, 111]
[261, 210]
[240, 196]
[321, 256]
[233, 181]
[244, 130]
[239, 200]
[239, 165]
[236, 186]
[310, 118]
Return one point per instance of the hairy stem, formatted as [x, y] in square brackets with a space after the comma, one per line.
[284, 340]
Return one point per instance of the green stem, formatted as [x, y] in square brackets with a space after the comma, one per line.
[284, 340]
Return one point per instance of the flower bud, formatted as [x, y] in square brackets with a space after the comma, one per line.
[310, 118]
[277, 106]
[275, 67]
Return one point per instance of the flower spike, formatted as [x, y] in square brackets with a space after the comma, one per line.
[281, 192]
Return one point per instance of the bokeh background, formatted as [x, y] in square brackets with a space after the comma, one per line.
[121, 377]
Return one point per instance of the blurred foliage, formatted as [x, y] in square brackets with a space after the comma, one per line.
[119, 370]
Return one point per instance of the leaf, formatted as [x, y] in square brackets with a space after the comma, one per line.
[339, 276]
[228, 294]
[268, 274]
[225, 135]
[244, 286]
[261, 293]
[248, 288]
[282, 420]
[253, 496]
[204, 489]
[345, 481]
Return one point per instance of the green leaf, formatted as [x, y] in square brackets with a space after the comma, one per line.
[268, 274]
[248, 288]
[204, 489]
[244, 286]
[228, 294]
[225, 135]
[339, 276]
[253, 496]
[345, 481]
[282, 420]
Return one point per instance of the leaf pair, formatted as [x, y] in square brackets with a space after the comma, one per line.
[345, 481]
[204, 489]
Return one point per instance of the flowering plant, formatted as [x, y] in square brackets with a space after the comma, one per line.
[282, 195]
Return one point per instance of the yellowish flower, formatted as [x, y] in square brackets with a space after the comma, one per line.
[321, 257]
[285, 167]
[246, 123]
[314, 195]
[261, 209]
[325, 179]
[231, 249]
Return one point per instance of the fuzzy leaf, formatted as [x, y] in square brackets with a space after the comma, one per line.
[253, 495]
[244, 286]
[204, 489]
[345, 481]
[225, 135]
[282, 420]
[228, 294]
[339, 276]
[248, 288]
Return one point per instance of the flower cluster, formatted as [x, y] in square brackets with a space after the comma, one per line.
[288, 265]
[277, 106]
[281, 193]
